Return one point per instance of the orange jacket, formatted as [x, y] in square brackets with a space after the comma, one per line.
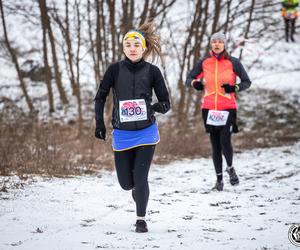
[215, 72]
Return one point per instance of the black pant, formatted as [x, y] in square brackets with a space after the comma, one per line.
[220, 138]
[132, 169]
[289, 28]
[221, 143]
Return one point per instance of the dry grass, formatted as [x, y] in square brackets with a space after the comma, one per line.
[181, 141]
[28, 146]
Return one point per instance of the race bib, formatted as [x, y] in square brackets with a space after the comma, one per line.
[217, 118]
[290, 14]
[133, 110]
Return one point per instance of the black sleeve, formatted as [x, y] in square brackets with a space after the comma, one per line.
[241, 73]
[193, 73]
[160, 89]
[103, 91]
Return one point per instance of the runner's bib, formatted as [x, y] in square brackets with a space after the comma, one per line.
[217, 118]
[133, 110]
[290, 14]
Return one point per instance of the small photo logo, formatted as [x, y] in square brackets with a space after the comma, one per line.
[294, 234]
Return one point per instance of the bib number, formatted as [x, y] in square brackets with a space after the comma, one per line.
[133, 110]
[217, 118]
[290, 14]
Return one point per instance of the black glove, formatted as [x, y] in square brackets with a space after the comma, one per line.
[228, 88]
[198, 85]
[100, 131]
[158, 107]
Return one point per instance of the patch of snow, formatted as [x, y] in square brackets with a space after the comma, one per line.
[183, 212]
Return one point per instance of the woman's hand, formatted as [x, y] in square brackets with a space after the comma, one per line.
[197, 84]
[100, 131]
[229, 88]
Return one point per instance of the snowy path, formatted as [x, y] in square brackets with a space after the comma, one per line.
[94, 213]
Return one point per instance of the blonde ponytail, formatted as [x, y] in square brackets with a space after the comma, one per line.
[152, 40]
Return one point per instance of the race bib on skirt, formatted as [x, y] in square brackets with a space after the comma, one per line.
[133, 110]
[217, 118]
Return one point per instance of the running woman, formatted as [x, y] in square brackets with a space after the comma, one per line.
[216, 76]
[290, 15]
[135, 131]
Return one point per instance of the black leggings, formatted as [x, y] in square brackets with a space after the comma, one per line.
[132, 169]
[221, 143]
[289, 28]
[220, 138]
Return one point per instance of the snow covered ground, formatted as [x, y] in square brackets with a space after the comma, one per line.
[183, 212]
[277, 68]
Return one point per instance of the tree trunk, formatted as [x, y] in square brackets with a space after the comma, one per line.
[113, 32]
[196, 103]
[45, 17]
[47, 68]
[182, 104]
[69, 48]
[92, 46]
[248, 25]
[78, 90]
[227, 16]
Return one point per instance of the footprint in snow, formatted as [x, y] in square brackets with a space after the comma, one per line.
[110, 233]
[171, 231]
[87, 222]
[38, 230]
[188, 217]
[129, 210]
[213, 230]
[153, 212]
[113, 206]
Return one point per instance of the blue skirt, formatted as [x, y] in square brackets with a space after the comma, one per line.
[127, 139]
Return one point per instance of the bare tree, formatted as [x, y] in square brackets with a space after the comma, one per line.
[190, 54]
[47, 24]
[47, 67]
[227, 16]
[77, 63]
[72, 58]
[100, 33]
[92, 45]
[14, 58]
[248, 24]
[106, 21]
[113, 29]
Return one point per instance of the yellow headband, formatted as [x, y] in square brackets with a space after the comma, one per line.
[136, 36]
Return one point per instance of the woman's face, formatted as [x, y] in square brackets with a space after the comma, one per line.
[217, 46]
[133, 50]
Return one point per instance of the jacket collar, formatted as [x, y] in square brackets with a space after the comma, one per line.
[133, 66]
[217, 56]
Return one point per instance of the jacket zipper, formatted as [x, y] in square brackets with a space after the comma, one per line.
[216, 85]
